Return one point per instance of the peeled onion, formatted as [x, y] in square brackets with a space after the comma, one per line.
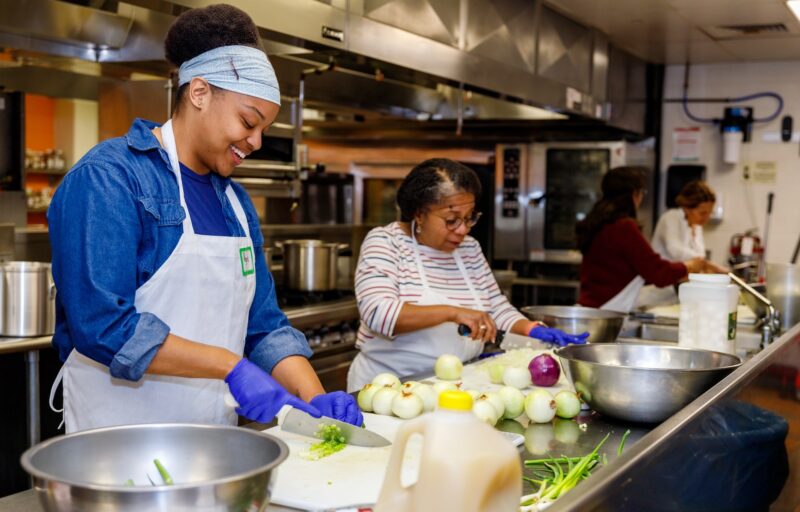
[448, 367]
[496, 372]
[386, 379]
[382, 401]
[496, 401]
[473, 393]
[544, 370]
[406, 405]
[366, 395]
[428, 396]
[513, 400]
[519, 378]
[444, 386]
[568, 405]
[540, 406]
[485, 411]
[408, 386]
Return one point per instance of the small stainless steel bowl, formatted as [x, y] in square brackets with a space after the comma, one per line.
[603, 326]
[214, 467]
[642, 382]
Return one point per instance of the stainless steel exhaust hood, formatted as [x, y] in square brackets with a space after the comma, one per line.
[516, 52]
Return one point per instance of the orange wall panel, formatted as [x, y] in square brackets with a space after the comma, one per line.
[39, 122]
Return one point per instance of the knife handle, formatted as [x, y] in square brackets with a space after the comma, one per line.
[464, 330]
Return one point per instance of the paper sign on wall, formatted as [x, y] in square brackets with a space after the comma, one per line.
[686, 144]
[762, 172]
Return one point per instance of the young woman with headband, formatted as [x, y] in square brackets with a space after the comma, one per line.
[157, 256]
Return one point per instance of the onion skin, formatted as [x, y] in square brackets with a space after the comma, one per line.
[544, 370]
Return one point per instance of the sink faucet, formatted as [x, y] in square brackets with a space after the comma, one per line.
[770, 322]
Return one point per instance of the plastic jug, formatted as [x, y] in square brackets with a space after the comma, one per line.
[465, 465]
[708, 313]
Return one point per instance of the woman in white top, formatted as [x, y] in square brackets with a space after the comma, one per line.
[679, 232]
[419, 278]
[679, 237]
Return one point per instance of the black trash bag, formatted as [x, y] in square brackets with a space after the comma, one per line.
[735, 460]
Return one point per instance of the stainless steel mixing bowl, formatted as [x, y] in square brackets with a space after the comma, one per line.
[603, 326]
[214, 467]
[640, 382]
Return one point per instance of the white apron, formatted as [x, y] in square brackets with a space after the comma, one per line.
[624, 301]
[416, 351]
[203, 292]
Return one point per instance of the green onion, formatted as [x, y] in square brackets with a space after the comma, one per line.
[556, 482]
[163, 472]
[622, 443]
[332, 442]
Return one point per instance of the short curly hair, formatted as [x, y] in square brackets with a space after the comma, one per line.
[430, 181]
[199, 30]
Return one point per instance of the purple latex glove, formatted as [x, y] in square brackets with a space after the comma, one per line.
[339, 406]
[260, 396]
[557, 336]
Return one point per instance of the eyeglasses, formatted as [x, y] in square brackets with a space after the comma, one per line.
[454, 224]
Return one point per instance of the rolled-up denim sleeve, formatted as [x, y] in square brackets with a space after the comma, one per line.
[270, 338]
[95, 231]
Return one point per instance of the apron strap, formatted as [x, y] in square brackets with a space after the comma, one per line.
[59, 378]
[459, 262]
[420, 268]
[238, 209]
[168, 136]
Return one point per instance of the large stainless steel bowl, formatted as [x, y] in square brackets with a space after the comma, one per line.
[640, 382]
[603, 326]
[214, 467]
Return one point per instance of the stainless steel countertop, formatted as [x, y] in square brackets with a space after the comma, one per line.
[643, 441]
[299, 317]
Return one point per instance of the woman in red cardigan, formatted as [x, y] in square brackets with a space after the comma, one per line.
[617, 259]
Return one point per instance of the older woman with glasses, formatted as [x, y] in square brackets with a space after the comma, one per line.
[421, 277]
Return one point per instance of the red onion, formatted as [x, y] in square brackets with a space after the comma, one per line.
[544, 370]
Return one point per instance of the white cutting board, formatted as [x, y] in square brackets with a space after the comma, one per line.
[354, 475]
[349, 477]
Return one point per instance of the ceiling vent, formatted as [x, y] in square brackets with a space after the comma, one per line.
[747, 31]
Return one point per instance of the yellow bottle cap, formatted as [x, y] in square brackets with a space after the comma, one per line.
[455, 401]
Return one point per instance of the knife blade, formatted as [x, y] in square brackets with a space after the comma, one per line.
[299, 422]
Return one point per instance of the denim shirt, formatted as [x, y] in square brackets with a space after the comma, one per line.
[114, 220]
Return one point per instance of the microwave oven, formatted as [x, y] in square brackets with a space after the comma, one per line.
[542, 190]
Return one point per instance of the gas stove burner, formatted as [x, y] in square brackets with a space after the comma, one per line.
[294, 298]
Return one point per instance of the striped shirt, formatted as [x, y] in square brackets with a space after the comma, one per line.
[387, 277]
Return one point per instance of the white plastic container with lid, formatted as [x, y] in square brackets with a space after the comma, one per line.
[466, 465]
[708, 312]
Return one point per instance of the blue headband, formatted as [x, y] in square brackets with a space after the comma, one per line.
[241, 69]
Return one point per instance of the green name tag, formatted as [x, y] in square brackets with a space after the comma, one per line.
[248, 262]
